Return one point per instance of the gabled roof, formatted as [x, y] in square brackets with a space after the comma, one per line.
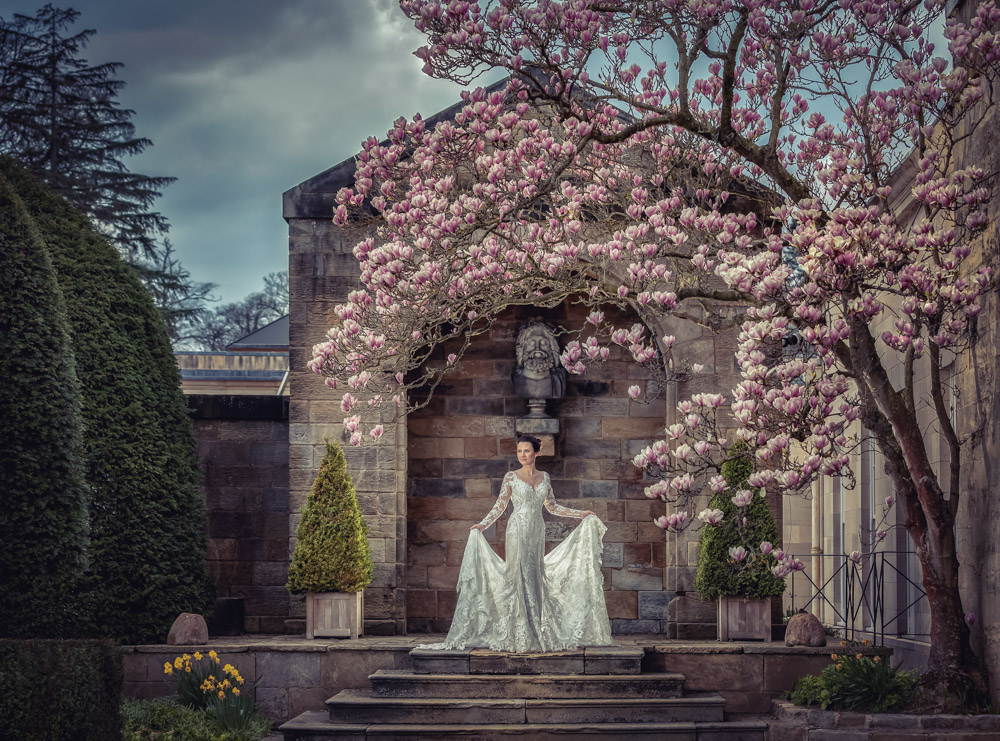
[271, 337]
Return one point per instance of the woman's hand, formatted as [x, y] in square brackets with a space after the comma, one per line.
[587, 513]
[478, 526]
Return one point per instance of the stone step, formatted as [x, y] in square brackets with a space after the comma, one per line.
[361, 706]
[591, 660]
[400, 683]
[357, 706]
[315, 726]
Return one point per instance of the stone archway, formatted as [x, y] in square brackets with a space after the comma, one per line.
[461, 445]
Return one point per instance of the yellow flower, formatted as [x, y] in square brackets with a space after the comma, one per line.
[187, 668]
[228, 668]
[833, 656]
[236, 691]
[857, 656]
[186, 657]
[222, 695]
[197, 656]
[226, 683]
[876, 659]
[840, 666]
[213, 656]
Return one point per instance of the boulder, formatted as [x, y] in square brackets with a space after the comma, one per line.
[188, 629]
[805, 629]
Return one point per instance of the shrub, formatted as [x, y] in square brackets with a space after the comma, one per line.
[60, 690]
[857, 681]
[331, 554]
[43, 508]
[163, 719]
[718, 575]
[147, 521]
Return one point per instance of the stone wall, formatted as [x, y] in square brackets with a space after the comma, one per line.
[321, 272]
[243, 457]
[424, 483]
[462, 444]
[978, 414]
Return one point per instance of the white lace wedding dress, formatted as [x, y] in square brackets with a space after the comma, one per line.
[531, 601]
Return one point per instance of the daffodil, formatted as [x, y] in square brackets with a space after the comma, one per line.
[178, 662]
[197, 656]
[167, 669]
[236, 691]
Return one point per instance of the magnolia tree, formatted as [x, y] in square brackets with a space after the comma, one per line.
[649, 155]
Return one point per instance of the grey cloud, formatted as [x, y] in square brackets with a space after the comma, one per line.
[244, 100]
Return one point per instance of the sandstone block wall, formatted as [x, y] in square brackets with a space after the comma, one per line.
[243, 458]
[462, 444]
[428, 480]
[322, 270]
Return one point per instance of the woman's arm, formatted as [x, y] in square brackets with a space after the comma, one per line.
[502, 501]
[557, 509]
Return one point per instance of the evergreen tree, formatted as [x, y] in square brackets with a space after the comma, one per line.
[59, 116]
[331, 552]
[148, 534]
[182, 302]
[718, 574]
[43, 507]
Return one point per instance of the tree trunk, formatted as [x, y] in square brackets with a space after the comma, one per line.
[954, 672]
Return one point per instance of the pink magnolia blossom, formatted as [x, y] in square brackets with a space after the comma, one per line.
[600, 175]
[711, 516]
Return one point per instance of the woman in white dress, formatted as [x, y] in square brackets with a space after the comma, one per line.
[531, 601]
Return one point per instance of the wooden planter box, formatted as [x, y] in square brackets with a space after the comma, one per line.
[335, 614]
[744, 619]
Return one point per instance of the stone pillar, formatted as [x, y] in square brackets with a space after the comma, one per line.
[322, 270]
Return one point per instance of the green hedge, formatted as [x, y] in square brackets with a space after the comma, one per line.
[147, 526]
[53, 690]
[43, 505]
[718, 575]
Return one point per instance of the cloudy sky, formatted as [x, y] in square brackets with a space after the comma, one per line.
[244, 99]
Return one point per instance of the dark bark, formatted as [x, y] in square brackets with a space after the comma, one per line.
[953, 669]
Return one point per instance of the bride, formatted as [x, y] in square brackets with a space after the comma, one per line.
[531, 601]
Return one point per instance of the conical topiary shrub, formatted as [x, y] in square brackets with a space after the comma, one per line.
[331, 552]
[147, 524]
[43, 504]
[718, 574]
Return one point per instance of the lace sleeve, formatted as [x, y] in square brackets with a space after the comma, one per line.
[558, 509]
[502, 501]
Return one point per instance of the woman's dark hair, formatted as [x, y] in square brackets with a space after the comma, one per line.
[535, 442]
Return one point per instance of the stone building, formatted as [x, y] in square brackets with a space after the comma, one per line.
[429, 478]
[835, 522]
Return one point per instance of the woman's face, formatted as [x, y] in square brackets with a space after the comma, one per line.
[526, 454]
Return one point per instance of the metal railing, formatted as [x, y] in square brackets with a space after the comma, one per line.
[862, 607]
